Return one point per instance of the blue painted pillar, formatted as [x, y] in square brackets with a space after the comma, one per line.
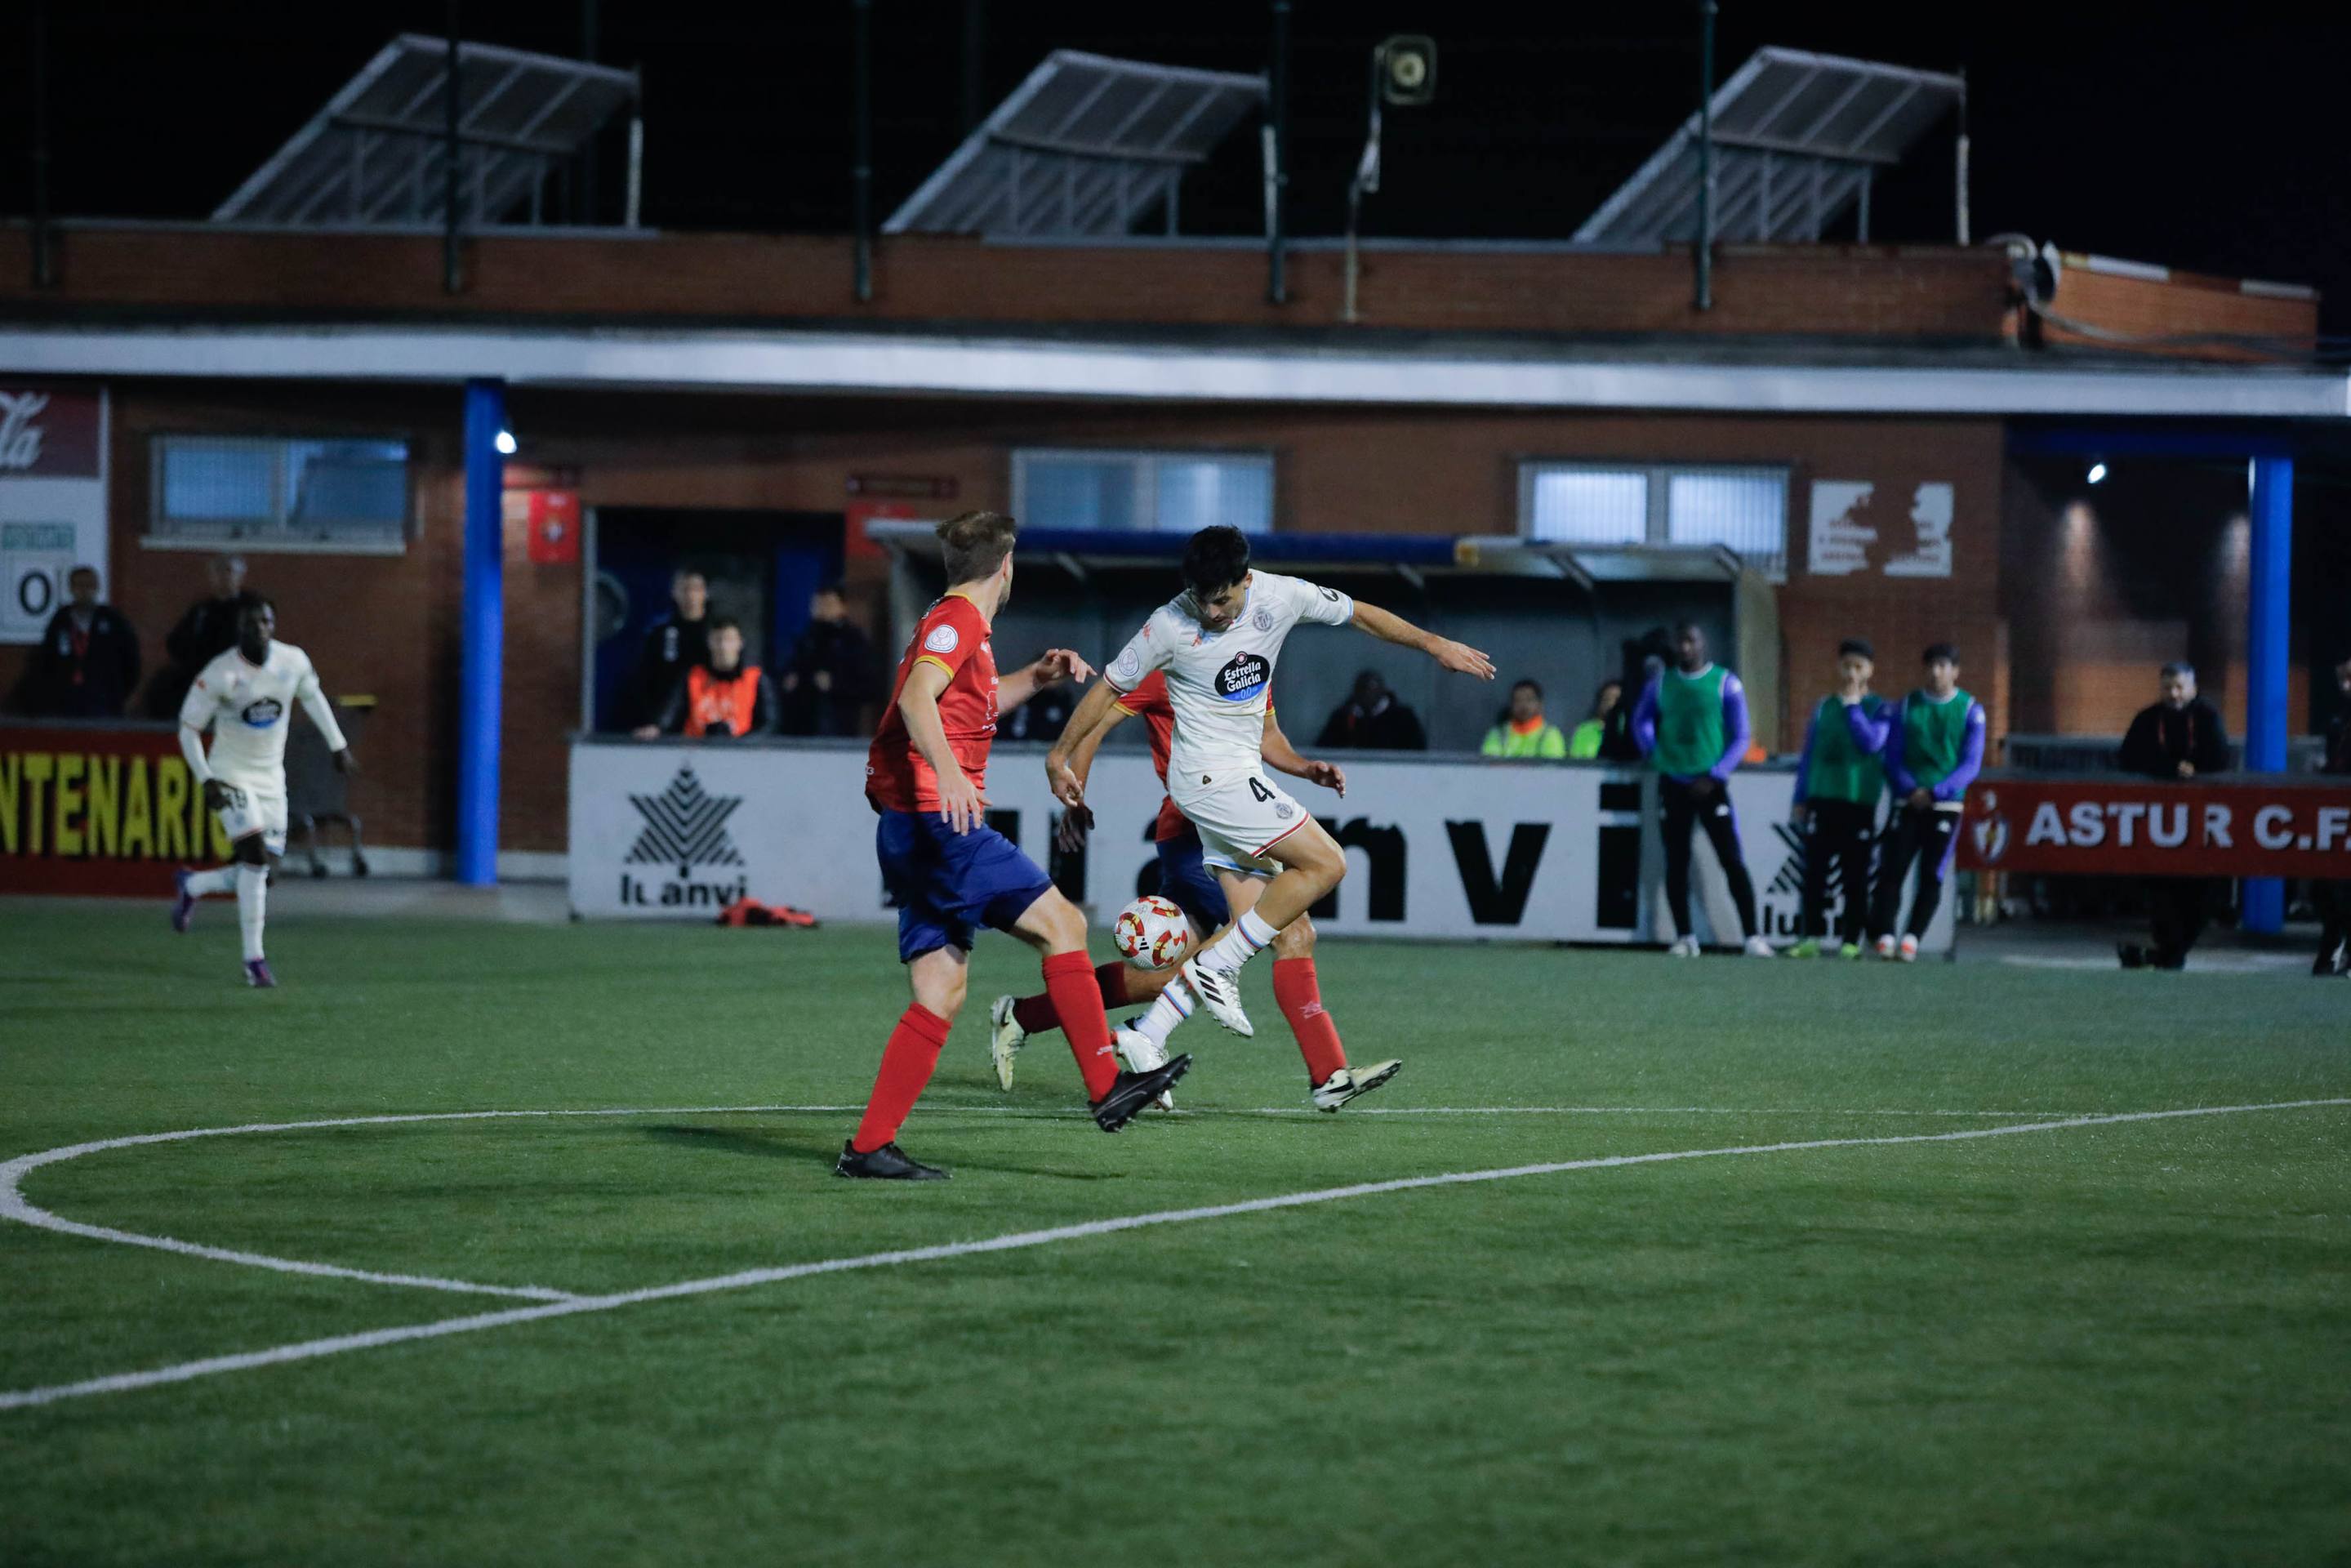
[2266, 719]
[482, 666]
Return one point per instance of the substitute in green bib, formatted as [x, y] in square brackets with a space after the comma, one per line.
[1933, 745]
[1524, 733]
[1691, 723]
[1838, 785]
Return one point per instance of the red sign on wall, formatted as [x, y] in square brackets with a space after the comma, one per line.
[2145, 827]
[100, 811]
[553, 519]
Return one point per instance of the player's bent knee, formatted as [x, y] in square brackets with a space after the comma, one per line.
[1053, 925]
[1295, 940]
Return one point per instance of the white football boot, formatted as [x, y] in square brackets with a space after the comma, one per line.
[1759, 946]
[1908, 951]
[1683, 947]
[1005, 1039]
[1221, 992]
[1138, 1053]
[1348, 1083]
[1885, 947]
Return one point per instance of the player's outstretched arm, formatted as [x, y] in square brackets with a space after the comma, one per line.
[1284, 757]
[1049, 669]
[1095, 712]
[1077, 819]
[314, 702]
[960, 802]
[1457, 657]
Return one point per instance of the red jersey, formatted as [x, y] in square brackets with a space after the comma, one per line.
[952, 634]
[1148, 702]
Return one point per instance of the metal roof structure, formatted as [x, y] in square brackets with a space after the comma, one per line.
[1797, 139]
[1086, 146]
[376, 155]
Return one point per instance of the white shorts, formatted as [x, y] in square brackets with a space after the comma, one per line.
[1240, 815]
[250, 810]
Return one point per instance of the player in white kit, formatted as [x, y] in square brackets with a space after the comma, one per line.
[246, 697]
[1218, 642]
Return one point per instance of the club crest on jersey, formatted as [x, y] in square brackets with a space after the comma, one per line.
[1262, 620]
[262, 712]
[1244, 678]
[940, 639]
[1128, 667]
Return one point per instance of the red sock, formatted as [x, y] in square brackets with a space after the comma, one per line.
[1069, 981]
[1037, 1014]
[1299, 996]
[907, 1065]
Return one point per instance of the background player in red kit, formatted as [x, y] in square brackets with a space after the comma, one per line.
[949, 872]
[1204, 897]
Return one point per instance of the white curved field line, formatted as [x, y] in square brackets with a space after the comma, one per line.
[309, 1350]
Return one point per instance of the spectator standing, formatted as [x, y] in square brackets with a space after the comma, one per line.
[207, 630]
[830, 675]
[87, 663]
[1524, 734]
[676, 644]
[721, 698]
[1839, 782]
[2334, 898]
[1591, 734]
[1933, 746]
[1372, 720]
[2180, 737]
[1691, 723]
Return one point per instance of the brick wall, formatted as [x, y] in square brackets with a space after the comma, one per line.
[2153, 314]
[1937, 292]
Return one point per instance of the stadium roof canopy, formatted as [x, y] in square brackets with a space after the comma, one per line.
[1086, 146]
[1797, 139]
[376, 155]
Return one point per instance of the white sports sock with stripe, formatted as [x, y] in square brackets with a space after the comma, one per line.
[1168, 1008]
[203, 883]
[252, 898]
[1248, 936]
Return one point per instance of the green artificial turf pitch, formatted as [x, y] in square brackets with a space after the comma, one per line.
[2124, 1342]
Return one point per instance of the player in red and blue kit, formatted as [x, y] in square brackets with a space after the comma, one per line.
[950, 873]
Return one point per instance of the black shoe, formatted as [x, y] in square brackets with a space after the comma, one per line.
[2333, 963]
[888, 1163]
[2133, 956]
[1130, 1091]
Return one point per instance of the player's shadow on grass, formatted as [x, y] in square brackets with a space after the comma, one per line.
[791, 1143]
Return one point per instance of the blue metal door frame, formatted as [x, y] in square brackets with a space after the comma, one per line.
[2268, 619]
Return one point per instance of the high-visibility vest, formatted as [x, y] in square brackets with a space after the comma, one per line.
[714, 701]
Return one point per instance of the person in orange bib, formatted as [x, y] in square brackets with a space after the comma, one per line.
[720, 697]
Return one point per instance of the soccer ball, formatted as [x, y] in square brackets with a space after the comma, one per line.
[1151, 933]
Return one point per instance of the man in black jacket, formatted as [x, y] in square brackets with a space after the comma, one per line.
[1371, 719]
[87, 663]
[2180, 737]
[2334, 898]
[825, 685]
[207, 630]
[673, 645]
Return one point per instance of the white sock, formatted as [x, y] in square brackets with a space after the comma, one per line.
[1168, 1008]
[1237, 946]
[210, 881]
[252, 898]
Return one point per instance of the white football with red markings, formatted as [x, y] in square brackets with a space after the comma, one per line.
[1151, 933]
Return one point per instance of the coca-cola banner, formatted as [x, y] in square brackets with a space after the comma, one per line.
[2268, 826]
[52, 500]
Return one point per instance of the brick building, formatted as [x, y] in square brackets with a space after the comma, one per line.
[1924, 434]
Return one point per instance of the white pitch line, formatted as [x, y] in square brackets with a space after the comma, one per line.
[309, 1350]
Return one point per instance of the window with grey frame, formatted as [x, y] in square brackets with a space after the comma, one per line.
[1742, 507]
[1143, 491]
[337, 493]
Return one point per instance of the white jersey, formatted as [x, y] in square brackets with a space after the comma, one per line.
[248, 709]
[1218, 682]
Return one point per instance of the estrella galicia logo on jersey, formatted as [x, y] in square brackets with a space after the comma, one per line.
[262, 712]
[685, 825]
[1243, 679]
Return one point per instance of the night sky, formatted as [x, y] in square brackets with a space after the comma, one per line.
[2206, 137]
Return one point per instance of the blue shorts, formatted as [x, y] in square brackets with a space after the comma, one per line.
[1184, 878]
[947, 884]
